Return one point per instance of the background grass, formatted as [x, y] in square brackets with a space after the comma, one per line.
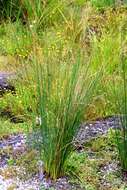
[98, 37]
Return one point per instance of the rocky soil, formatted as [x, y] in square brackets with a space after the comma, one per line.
[19, 145]
[96, 128]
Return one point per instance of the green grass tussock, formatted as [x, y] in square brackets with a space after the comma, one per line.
[64, 89]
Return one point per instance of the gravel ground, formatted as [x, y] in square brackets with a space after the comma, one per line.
[17, 143]
[95, 129]
[87, 132]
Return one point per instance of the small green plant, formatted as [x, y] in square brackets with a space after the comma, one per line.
[29, 163]
[103, 3]
[7, 128]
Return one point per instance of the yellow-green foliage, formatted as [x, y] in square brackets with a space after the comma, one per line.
[7, 128]
[14, 39]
